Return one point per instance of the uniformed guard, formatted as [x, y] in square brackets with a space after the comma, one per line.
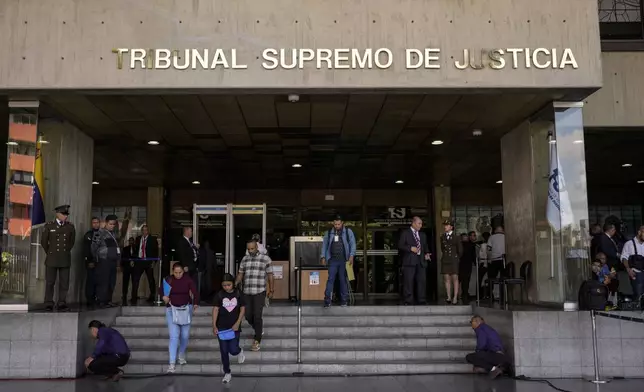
[57, 239]
[452, 250]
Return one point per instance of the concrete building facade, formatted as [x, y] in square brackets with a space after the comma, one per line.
[420, 105]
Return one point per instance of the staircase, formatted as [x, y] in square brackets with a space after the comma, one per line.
[336, 341]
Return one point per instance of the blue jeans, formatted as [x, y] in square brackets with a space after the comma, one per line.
[179, 336]
[638, 284]
[226, 348]
[337, 269]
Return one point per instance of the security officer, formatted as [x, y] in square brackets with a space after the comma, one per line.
[57, 239]
[90, 263]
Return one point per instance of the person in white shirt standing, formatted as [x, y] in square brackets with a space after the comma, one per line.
[496, 253]
[633, 260]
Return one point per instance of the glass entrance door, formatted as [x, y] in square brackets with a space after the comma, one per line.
[216, 224]
[382, 262]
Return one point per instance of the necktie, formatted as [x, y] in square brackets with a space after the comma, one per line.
[143, 247]
[417, 238]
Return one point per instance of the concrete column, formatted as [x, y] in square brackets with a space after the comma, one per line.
[524, 156]
[557, 244]
[68, 164]
[442, 211]
[155, 210]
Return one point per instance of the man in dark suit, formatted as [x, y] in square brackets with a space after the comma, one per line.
[146, 247]
[607, 246]
[127, 269]
[415, 255]
[188, 253]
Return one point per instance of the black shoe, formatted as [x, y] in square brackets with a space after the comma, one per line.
[49, 307]
[151, 300]
[124, 302]
[327, 305]
[62, 307]
[133, 302]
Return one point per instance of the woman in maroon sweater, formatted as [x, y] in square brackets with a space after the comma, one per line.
[183, 297]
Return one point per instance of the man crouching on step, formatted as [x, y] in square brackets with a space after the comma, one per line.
[489, 357]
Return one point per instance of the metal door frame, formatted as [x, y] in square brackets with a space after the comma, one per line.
[229, 210]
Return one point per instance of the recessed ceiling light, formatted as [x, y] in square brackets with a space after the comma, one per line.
[297, 165]
[578, 142]
[94, 182]
[12, 144]
[553, 141]
[196, 183]
[42, 141]
[627, 165]
[153, 143]
[640, 182]
[400, 182]
[499, 182]
[437, 142]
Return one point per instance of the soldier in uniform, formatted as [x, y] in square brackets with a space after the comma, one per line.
[452, 250]
[57, 239]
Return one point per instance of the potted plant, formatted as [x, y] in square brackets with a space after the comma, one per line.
[4, 269]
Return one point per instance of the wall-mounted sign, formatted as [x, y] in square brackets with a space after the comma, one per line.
[322, 58]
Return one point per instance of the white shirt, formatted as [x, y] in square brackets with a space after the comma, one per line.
[144, 242]
[482, 253]
[496, 247]
[629, 250]
[194, 248]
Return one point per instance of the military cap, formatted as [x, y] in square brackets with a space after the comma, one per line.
[448, 222]
[64, 209]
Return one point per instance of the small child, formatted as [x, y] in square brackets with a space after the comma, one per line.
[606, 276]
[227, 314]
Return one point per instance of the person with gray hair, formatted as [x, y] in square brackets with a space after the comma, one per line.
[489, 356]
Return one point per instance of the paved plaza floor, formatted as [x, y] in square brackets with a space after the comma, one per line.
[439, 383]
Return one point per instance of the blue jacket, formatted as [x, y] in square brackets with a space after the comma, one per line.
[349, 241]
[487, 339]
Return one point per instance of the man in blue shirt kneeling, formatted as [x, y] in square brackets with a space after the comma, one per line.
[489, 357]
[110, 354]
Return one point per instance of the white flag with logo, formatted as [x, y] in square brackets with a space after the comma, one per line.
[558, 210]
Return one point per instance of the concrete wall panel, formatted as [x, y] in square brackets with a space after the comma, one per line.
[619, 103]
[68, 43]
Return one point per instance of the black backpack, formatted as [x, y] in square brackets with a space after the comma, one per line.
[592, 295]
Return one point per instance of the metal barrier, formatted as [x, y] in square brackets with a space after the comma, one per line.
[16, 281]
[597, 379]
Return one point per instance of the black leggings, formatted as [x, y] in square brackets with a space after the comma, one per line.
[226, 348]
[108, 365]
[487, 360]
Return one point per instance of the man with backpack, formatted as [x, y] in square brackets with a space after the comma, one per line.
[338, 249]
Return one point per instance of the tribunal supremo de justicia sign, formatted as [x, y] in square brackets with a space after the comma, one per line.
[380, 58]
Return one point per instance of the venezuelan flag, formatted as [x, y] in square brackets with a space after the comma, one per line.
[38, 205]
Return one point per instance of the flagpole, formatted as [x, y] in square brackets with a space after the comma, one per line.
[552, 254]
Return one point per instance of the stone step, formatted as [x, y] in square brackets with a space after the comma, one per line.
[290, 310]
[446, 342]
[202, 320]
[395, 332]
[324, 356]
[335, 368]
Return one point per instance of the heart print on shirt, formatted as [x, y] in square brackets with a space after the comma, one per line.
[229, 304]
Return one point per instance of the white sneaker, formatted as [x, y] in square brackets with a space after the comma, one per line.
[227, 378]
[241, 357]
[182, 361]
[171, 369]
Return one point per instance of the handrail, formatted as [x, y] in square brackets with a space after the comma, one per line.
[299, 314]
